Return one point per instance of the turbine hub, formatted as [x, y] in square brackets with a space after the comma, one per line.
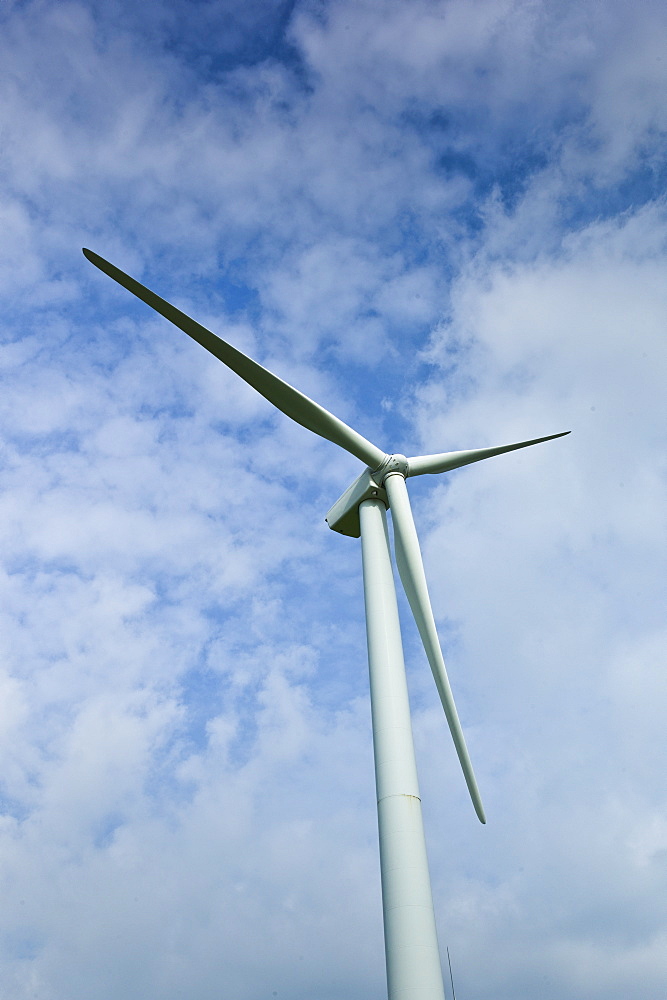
[392, 464]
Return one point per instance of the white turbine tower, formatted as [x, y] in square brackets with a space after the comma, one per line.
[411, 945]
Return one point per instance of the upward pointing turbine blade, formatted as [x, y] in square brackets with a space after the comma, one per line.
[455, 459]
[411, 571]
[292, 402]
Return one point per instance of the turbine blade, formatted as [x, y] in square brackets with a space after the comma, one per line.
[292, 402]
[455, 459]
[411, 571]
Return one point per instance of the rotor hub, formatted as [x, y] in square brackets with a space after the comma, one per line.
[392, 465]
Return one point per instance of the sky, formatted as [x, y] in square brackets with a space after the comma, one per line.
[446, 222]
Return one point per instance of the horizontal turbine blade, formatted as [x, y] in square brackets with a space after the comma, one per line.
[292, 402]
[411, 571]
[455, 459]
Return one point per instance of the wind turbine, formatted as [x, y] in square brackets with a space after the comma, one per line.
[411, 945]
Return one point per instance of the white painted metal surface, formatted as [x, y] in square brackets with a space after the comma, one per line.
[344, 515]
[411, 943]
[445, 462]
[413, 578]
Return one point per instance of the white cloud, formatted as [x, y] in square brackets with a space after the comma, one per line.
[445, 222]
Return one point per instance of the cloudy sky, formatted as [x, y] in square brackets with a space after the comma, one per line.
[446, 221]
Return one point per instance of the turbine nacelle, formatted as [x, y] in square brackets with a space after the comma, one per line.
[344, 515]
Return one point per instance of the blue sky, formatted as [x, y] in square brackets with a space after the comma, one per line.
[445, 221]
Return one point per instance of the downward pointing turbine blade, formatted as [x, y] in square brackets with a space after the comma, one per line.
[292, 402]
[411, 570]
[455, 459]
